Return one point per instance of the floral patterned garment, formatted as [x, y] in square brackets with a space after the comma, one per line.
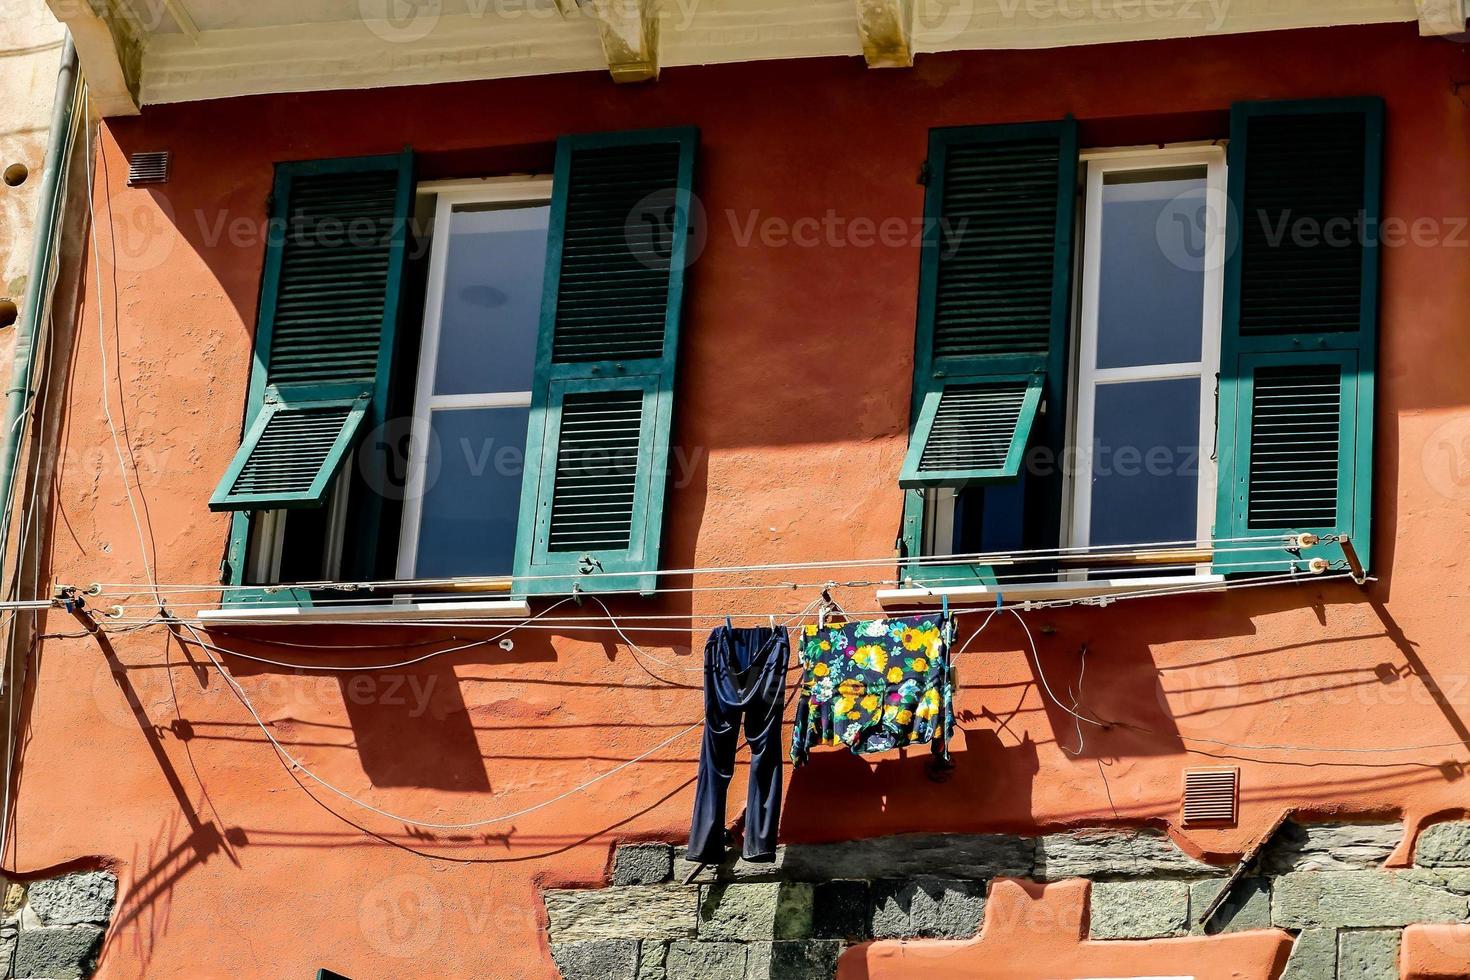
[874, 686]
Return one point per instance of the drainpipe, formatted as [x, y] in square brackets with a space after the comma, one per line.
[28, 329]
[18, 396]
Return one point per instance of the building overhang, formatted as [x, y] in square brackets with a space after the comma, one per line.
[142, 52]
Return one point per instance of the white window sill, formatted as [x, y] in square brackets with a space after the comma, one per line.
[1044, 591]
[385, 612]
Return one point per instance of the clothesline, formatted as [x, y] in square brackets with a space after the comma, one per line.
[933, 584]
[959, 650]
[608, 621]
[1283, 542]
[586, 622]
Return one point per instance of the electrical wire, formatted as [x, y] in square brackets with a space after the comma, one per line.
[122, 463]
[28, 523]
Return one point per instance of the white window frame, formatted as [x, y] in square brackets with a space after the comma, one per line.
[520, 190]
[1086, 377]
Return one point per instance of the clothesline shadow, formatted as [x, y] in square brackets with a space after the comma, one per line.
[411, 725]
[1187, 668]
[839, 795]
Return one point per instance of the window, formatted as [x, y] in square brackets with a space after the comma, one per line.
[1148, 348]
[538, 383]
[1209, 380]
[476, 371]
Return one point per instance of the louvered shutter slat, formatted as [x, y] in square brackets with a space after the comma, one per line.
[328, 306]
[592, 504]
[1298, 348]
[993, 300]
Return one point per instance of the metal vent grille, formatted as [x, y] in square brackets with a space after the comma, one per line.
[998, 250]
[148, 168]
[1302, 225]
[1296, 425]
[592, 504]
[1211, 795]
[613, 294]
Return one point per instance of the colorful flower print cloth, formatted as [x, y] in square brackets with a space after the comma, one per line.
[874, 686]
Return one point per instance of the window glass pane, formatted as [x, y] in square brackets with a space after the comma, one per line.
[1145, 462]
[472, 492]
[492, 299]
[990, 518]
[1151, 267]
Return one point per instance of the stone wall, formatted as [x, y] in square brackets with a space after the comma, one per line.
[791, 919]
[53, 928]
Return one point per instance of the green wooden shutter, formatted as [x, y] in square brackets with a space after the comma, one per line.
[597, 451]
[994, 290]
[324, 339]
[1298, 346]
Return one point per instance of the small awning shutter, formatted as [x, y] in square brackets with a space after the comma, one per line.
[293, 449]
[972, 432]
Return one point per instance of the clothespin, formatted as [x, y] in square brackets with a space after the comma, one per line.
[999, 599]
[773, 620]
[729, 625]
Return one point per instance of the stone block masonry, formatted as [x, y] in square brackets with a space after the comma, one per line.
[53, 928]
[792, 918]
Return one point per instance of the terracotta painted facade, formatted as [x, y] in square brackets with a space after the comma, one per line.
[792, 413]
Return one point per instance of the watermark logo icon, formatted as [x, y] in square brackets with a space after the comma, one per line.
[1192, 694]
[1190, 229]
[1445, 458]
[401, 916]
[652, 226]
[937, 22]
[401, 21]
[385, 459]
[141, 231]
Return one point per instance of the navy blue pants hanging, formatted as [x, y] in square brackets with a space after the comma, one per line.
[744, 681]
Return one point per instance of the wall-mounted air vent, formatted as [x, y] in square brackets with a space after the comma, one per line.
[1211, 796]
[148, 168]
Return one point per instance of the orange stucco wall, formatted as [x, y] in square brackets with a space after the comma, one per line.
[792, 406]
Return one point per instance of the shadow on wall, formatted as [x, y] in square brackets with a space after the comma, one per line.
[1037, 932]
[1147, 703]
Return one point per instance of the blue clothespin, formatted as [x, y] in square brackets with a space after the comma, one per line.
[945, 607]
[999, 598]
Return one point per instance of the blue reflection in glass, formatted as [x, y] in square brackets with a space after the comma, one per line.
[472, 493]
[1145, 479]
[494, 267]
[1151, 274]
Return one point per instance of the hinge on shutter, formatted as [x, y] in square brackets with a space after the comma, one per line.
[1215, 447]
[924, 174]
